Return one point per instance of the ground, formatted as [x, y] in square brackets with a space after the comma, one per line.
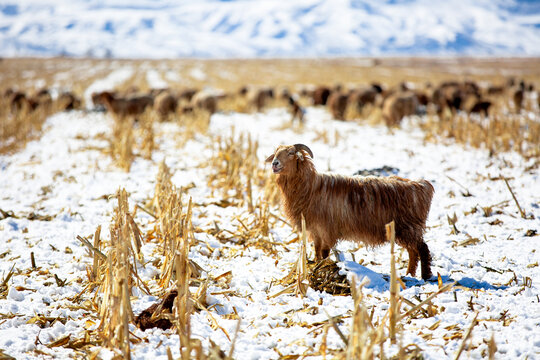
[62, 185]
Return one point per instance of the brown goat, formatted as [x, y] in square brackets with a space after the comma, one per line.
[320, 95]
[352, 208]
[42, 99]
[258, 98]
[187, 94]
[364, 96]
[480, 107]
[337, 104]
[18, 101]
[205, 100]
[68, 101]
[130, 106]
[518, 96]
[398, 106]
[97, 100]
[165, 104]
[295, 109]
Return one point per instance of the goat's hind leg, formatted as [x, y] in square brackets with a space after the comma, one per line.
[418, 250]
[421, 252]
[407, 241]
[413, 261]
[425, 260]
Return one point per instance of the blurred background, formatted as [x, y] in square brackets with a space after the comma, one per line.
[264, 28]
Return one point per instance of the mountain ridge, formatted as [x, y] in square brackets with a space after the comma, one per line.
[267, 28]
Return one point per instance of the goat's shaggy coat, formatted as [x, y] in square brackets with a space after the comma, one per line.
[353, 208]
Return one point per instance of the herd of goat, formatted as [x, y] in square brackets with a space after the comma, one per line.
[395, 102]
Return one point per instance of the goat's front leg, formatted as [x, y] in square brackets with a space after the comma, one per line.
[321, 251]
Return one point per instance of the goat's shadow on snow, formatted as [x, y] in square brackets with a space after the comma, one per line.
[381, 282]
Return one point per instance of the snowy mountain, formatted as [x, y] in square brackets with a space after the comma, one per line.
[248, 28]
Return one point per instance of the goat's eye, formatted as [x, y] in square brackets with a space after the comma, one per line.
[291, 154]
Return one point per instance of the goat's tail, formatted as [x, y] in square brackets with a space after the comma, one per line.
[428, 188]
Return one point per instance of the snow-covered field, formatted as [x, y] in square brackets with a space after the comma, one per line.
[243, 28]
[58, 187]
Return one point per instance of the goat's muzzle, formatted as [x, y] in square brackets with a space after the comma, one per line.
[276, 167]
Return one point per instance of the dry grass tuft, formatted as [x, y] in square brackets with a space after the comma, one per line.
[234, 103]
[237, 171]
[183, 304]
[364, 339]
[235, 166]
[192, 124]
[122, 142]
[146, 134]
[394, 287]
[20, 127]
[497, 133]
[174, 230]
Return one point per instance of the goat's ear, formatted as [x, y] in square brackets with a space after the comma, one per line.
[300, 156]
[269, 159]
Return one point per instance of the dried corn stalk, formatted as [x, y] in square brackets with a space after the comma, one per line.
[115, 308]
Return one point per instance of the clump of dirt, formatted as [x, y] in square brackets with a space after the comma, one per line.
[158, 314]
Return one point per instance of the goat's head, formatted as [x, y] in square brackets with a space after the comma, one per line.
[107, 96]
[286, 158]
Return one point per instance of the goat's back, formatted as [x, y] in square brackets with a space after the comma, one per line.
[353, 207]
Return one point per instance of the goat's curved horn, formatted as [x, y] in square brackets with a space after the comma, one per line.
[304, 147]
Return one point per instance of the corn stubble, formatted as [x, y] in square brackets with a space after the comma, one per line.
[116, 271]
[236, 175]
[174, 233]
[498, 133]
[118, 279]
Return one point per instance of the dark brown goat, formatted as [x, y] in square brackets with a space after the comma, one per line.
[165, 103]
[258, 98]
[18, 101]
[320, 95]
[518, 97]
[454, 96]
[129, 106]
[352, 208]
[364, 96]
[42, 100]
[480, 107]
